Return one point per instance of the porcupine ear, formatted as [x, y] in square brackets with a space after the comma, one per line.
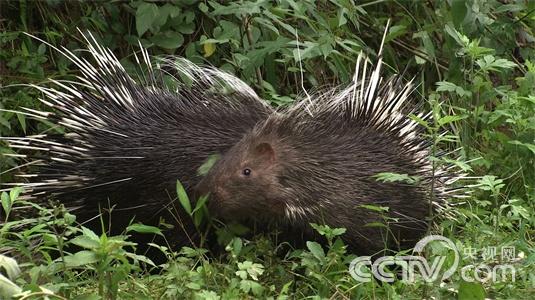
[265, 152]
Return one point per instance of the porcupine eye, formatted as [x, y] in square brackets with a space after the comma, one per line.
[246, 172]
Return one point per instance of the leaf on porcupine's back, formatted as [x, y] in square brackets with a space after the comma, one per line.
[183, 197]
[376, 224]
[208, 164]
[395, 177]
[376, 208]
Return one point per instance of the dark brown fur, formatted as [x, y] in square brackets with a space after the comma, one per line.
[319, 168]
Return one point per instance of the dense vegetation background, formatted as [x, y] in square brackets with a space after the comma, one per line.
[474, 62]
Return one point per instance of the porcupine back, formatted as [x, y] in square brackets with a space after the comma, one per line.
[128, 141]
[316, 162]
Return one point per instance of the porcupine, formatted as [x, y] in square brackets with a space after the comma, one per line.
[128, 141]
[317, 161]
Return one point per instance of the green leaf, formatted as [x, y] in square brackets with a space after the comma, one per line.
[183, 197]
[462, 40]
[6, 202]
[376, 225]
[203, 7]
[208, 164]
[172, 10]
[450, 119]
[209, 49]
[531, 147]
[373, 207]
[237, 245]
[471, 291]
[14, 193]
[168, 39]
[316, 250]
[141, 258]
[396, 31]
[146, 13]
[86, 242]
[338, 231]
[81, 258]
[510, 8]
[490, 63]
[90, 234]
[419, 120]
[395, 177]
[200, 203]
[142, 228]
[444, 86]
[253, 269]
[458, 12]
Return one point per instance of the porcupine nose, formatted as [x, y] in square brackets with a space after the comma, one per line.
[214, 190]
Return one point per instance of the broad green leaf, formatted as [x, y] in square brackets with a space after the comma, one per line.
[81, 258]
[316, 250]
[531, 147]
[86, 242]
[14, 193]
[458, 11]
[146, 13]
[168, 39]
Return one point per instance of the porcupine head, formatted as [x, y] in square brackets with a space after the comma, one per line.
[245, 182]
[299, 172]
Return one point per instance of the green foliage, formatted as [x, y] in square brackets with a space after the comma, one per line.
[475, 65]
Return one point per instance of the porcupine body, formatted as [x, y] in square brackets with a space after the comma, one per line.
[128, 141]
[316, 162]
